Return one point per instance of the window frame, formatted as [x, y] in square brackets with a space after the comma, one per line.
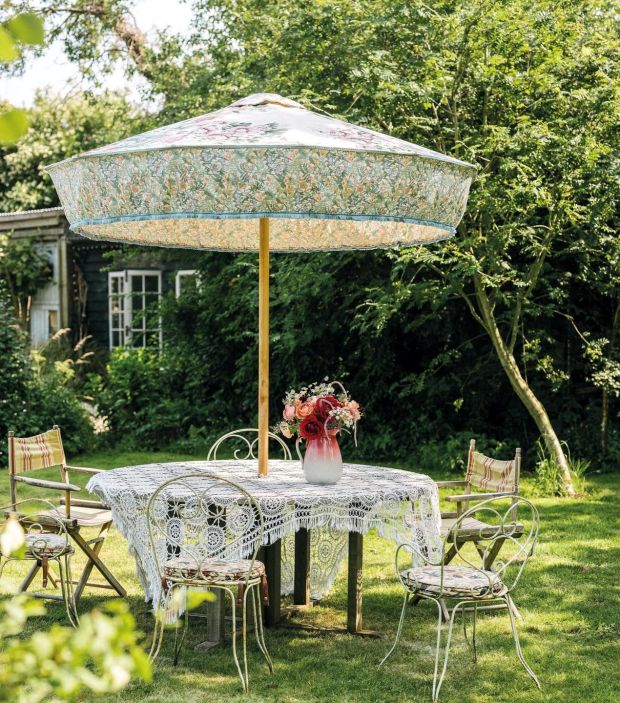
[126, 312]
[182, 273]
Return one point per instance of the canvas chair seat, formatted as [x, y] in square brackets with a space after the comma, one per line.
[47, 544]
[85, 516]
[472, 528]
[458, 582]
[213, 570]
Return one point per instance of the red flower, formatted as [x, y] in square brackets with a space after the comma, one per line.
[311, 427]
[325, 405]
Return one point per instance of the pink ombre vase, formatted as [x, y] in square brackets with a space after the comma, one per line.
[322, 462]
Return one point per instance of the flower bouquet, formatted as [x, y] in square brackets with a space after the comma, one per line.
[317, 414]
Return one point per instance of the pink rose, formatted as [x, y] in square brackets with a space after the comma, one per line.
[354, 410]
[289, 412]
[303, 410]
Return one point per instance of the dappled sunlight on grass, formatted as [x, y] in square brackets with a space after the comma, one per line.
[570, 628]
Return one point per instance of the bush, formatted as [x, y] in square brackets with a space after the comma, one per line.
[142, 407]
[31, 402]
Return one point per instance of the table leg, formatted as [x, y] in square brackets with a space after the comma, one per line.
[354, 600]
[272, 558]
[215, 621]
[301, 593]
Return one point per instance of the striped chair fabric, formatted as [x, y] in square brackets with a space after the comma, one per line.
[38, 452]
[490, 474]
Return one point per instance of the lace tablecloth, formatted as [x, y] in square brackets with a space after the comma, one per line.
[403, 506]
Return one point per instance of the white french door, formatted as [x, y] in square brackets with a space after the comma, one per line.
[134, 297]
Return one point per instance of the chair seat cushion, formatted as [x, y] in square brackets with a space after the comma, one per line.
[46, 544]
[84, 516]
[457, 581]
[213, 570]
[470, 528]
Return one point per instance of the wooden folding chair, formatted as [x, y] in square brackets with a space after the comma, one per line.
[29, 454]
[498, 479]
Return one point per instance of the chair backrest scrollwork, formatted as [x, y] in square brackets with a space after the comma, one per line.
[246, 442]
[496, 527]
[200, 517]
[36, 517]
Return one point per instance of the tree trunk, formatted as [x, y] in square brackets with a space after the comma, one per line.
[521, 387]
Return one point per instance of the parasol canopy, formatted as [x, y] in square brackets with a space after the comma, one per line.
[313, 182]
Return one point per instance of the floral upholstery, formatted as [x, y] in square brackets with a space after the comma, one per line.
[458, 581]
[46, 545]
[213, 570]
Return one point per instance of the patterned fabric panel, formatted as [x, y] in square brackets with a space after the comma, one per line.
[38, 452]
[46, 545]
[457, 581]
[202, 183]
[490, 474]
[213, 570]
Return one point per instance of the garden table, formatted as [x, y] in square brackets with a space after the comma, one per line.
[307, 527]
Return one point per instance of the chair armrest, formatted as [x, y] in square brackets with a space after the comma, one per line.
[448, 484]
[84, 503]
[477, 496]
[84, 470]
[42, 483]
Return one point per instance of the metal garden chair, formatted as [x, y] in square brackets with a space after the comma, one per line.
[44, 451]
[497, 478]
[246, 446]
[205, 532]
[473, 583]
[46, 540]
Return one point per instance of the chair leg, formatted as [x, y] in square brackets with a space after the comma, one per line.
[92, 554]
[158, 630]
[438, 683]
[66, 589]
[515, 635]
[30, 577]
[233, 599]
[181, 640]
[244, 635]
[258, 626]
[399, 629]
[472, 643]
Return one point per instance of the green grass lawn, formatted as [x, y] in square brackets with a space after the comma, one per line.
[570, 630]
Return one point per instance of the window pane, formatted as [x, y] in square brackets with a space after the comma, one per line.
[137, 302]
[151, 283]
[137, 339]
[136, 284]
[116, 340]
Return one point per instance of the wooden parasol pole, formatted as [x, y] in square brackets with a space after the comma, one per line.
[263, 347]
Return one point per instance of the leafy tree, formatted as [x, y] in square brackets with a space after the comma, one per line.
[60, 127]
[528, 90]
[19, 30]
[25, 271]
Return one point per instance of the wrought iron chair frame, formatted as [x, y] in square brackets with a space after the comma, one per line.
[90, 547]
[251, 444]
[462, 504]
[505, 531]
[35, 522]
[251, 585]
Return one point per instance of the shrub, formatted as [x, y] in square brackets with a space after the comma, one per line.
[138, 400]
[31, 402]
